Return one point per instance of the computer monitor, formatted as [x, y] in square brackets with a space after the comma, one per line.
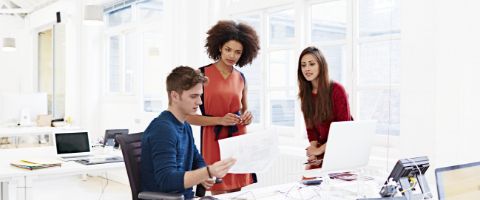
[70, 144]
[409, 167]
[110, 136]
[343, 139]
[15, 106]
[458, 182]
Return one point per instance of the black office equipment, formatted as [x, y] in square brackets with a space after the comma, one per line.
[312, 182]
[110, 136]
[59, 19]
[404, 178]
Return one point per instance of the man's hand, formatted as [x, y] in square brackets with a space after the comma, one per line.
[207, 184]
[220, 168]
[229, 119]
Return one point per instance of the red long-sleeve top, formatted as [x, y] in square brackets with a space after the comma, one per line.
[341, 112]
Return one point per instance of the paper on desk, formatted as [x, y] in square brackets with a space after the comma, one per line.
[255, 152]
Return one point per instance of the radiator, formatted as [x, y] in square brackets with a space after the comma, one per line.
[287, 168]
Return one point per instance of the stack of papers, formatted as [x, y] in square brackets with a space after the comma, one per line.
[31, 165]
[254, 152]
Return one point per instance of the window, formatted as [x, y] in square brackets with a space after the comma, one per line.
[150, 9]
[360, 40]
[281, 73]
[271, 78]
[378, 82]
[120, 16]
[253, 74]
[132, 48]
[121, 67]
[155, 64]
[328, 31]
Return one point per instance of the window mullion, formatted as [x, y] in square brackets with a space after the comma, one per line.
[122, 63]
[352, 74]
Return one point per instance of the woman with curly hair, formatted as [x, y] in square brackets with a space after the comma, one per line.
[323, 101]
[224, 109]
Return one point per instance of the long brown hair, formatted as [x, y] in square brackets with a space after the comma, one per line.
[321, 109]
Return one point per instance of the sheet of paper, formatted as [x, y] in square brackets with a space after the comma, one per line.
[255, 152]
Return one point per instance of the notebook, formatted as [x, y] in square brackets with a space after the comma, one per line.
[348, 147]
[75, 145]
[458, 182]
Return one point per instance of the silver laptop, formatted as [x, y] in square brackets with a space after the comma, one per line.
[71, 145]
[458, 182]
[348, 147]
[75, 146]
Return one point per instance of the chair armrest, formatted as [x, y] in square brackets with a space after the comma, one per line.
[159, 195]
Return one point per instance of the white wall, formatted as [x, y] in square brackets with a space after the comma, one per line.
[16, 65]
[440, 94]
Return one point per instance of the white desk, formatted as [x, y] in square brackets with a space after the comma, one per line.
[330, 189]
[18, 183]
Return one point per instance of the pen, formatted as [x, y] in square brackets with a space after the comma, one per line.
[313, 161]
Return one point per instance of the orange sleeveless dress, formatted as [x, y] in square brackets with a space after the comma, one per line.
[221, 96]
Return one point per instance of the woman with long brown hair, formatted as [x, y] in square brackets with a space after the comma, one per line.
[323, 101]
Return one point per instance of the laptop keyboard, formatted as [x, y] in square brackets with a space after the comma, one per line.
[101, 160]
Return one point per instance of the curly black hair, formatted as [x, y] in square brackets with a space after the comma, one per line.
[226, 30]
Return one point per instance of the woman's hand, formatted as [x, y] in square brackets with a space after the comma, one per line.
[246, 118]
[312, 160]
[229, 119]
[314, 150]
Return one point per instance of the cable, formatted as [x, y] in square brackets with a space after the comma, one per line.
[104, 187]
[411, 185]
[420, 172]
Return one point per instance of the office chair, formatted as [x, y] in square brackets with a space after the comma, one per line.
[131, 146]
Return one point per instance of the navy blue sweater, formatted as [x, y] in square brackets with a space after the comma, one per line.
[168, 151]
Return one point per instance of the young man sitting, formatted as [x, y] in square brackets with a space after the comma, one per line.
[170, 160]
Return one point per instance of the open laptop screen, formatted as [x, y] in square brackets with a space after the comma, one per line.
[110, 136]
[72, 143]
[458, 182]
[343, 139]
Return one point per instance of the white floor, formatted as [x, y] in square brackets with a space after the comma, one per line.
[74, 188]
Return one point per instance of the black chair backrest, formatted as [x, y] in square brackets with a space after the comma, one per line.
[131, 146]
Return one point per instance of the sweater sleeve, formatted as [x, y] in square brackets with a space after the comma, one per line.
[164, 154]
[341, 109]
[312, 134]
[198, 161]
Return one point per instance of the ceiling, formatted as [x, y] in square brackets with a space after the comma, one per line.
[21, 8]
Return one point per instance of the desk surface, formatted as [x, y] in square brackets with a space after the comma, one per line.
[45, 153]
[331, 189]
